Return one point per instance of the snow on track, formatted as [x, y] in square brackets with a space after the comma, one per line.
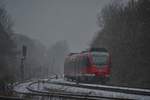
[21, 87]
[48, 86]
[108, 93]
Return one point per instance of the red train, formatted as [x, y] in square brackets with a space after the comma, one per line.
[93, 65]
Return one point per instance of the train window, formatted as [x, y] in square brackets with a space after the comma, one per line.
[72, 63]
[100, 58]
[68, 64]
[79, 62]
[84, 61]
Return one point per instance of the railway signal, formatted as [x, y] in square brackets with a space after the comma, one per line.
[24, 53]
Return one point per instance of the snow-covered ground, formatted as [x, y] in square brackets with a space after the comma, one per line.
[76, 90]
[21, 88]
[47, 87]
[98, 85]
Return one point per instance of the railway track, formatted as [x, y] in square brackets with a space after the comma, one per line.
[68, 95]
[63, 95]
[108, 88]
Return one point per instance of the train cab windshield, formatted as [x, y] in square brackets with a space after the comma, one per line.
[100, 58]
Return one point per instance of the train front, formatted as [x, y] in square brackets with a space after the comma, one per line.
[91, 66]
[99, 67]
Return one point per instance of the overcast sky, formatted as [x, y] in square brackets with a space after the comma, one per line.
[53, 20]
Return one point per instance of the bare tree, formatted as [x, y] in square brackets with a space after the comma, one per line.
[125, 34]
[7, 53]
[57, 53]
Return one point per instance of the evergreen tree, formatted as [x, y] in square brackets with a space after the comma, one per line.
[125, 33]
[7, 50]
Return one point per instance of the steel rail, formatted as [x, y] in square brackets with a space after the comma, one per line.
[71, 95]
[145, 92]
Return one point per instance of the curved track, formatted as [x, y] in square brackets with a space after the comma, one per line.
[107, 88]
[70, 94]
[72, 90]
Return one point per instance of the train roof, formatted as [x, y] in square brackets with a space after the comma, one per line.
[70, 54]
[95, 49]
[89, 50]
[98, 49]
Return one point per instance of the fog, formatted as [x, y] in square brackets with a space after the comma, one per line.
[52, 20]
[36, 36]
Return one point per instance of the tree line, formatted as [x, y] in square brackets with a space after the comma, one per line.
[125, 33]
[39, 62]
